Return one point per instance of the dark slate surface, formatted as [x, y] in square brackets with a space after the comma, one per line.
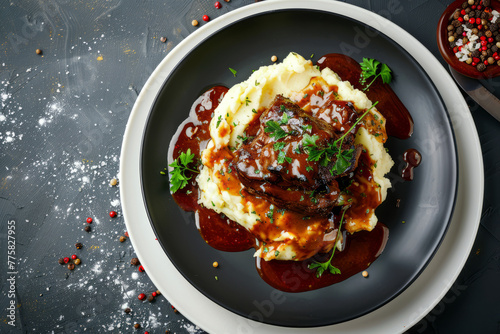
[62, 118]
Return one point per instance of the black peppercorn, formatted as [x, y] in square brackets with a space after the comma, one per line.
[469, 25]
[472, 13]
[78, 245]
[494, 48]
[493, 26]
[127, 310]
[486, 3]
[465, 5]
[481, 67]
[476, 54]
[456, 14]
[151, 299]
[71, 266]
[135, 261]
[460, 30]
[61, 261]
[87, 228]
[497, 38]
[137, 326]
[484, 15]
[456, 23]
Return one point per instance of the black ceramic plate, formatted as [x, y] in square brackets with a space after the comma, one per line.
[426, 203]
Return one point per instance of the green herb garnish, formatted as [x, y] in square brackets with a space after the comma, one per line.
[274, 129]
[324, 155]
[233, 71]
[321, 267]
[369, 68]
[178, 178]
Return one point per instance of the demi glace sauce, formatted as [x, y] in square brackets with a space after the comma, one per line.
[360, 249]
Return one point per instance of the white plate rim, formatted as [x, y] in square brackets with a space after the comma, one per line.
[396, 316]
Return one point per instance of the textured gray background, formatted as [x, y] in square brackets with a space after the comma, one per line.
[62, 118]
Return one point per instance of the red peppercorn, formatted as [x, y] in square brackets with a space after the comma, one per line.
[141, 268]
[486, 63]
[141, 296]
[74, 257]
[480, 27]
[218, 5]
[476, 60]
[496, 57]
[463, 12]
[153, 294]
[66, 259]
[146, 332]
[483, 38]
[472, 20]
[89, 220]
[490, 40]
[455, 49]
[473, 7]
[484, 48]
[473, 63]
[483, 43]
[113, 214]
[206, 18]
[461, 19]
[479, 7]
[125, 234]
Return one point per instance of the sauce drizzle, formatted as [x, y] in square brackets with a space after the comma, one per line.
[413, 158]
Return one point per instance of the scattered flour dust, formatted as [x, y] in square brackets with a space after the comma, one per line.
[105, 269]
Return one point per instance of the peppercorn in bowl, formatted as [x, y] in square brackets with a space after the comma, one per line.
[468, 37]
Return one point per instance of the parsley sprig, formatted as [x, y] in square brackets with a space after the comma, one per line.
[324, 155]
[369, 68]
[274, 128]
[178, 178]
[321, 267]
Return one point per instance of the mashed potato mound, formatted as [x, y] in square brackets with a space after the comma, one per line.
[282, 234]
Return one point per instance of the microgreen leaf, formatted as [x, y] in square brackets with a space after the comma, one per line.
[275, 130]
[233, 71]
[279, 145]
[385, 73]
[281, 157]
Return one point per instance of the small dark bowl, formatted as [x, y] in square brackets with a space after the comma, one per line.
[447, 52]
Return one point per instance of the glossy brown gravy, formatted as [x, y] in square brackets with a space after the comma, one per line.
[361, 248]
[413, 158]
